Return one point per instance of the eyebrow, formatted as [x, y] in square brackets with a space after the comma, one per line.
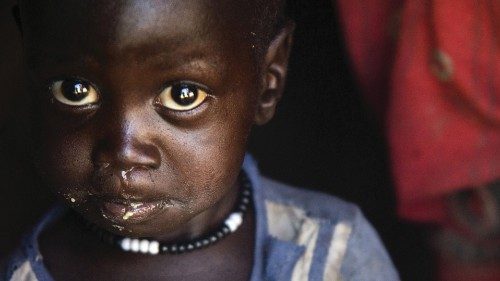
[196, 59]
[171, 59]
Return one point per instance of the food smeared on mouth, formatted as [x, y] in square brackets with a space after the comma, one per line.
[133, 212]
[128, 215]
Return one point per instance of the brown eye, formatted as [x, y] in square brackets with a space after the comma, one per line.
[74, 92]
[182, 97]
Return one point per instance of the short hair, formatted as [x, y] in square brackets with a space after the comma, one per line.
[270, 17]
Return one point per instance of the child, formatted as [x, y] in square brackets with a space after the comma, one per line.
[144, 109]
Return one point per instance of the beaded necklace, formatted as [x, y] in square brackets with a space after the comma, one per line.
[153, 247]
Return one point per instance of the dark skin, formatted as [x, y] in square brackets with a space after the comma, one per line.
[145, 109]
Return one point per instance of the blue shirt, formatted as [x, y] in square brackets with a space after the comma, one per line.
[300, 235]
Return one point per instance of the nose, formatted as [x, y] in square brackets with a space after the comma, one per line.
[125, 144]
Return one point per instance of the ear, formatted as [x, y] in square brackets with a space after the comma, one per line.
[17, 17]
[274, 74]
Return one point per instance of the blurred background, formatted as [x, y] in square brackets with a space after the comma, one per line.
[356, 101]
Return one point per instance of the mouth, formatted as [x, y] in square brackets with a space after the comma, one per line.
[132, 212]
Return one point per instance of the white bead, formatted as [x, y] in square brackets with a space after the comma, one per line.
[134, 245]
[154, 247]
[234, 221]
[125, 244]
[144, 246]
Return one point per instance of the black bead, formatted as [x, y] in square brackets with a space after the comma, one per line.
[182, 249]
[213, 239]
[164, 249]
[174, 249]
[220, 234]
[226, 230]
[190, 247]
[198, 244]
[205, 242]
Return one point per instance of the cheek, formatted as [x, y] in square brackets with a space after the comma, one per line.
[64, 162]
[210, 158]
[209, 163]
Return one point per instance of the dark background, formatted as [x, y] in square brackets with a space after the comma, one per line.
[323, 137]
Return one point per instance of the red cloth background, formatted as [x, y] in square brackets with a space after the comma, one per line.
[431, 71]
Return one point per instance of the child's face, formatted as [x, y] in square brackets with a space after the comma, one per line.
[145, 106]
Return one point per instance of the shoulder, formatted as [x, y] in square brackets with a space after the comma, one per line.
[336, 232]
[20, 265]
[314, 204]
[26, 262]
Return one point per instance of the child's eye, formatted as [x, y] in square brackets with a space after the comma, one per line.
[181, 97]
[74, 92]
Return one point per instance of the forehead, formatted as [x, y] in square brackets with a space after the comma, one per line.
[105, 27]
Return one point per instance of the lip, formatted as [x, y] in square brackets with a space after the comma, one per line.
[131, 212]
